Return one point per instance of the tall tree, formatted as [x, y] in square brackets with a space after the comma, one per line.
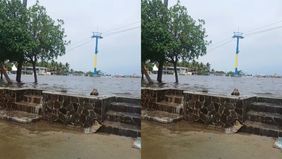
[155, 35]
[188, 37]
[14, 38]
[48, 37]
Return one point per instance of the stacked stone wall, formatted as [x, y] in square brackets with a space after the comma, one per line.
[150, 96]
[73, 110]
[220, 111]
[7, 98]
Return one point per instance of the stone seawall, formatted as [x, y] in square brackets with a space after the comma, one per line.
[72, 110]
[75, 110]
[215, 110]
[150, 96]
[221, 111]
[9, 96]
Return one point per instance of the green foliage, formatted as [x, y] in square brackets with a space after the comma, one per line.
[54, 67]
[14, 36]
[89, 74]
[231, 73]
[188, 36]
[29, 35]
[170, 34]
[155, 35]
[197, 67]
[48, 36]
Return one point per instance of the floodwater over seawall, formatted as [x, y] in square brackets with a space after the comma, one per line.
[222, 85]
[43, 139]
[81, 85]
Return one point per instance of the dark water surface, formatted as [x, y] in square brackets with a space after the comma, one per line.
[248, 86]
[84, 85]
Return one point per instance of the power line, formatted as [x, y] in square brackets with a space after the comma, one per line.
[214, 48]
[108, 32]
[220, 42]
[121, 31]
[73, 48]
[120, 27]
[265, 30]
[113, 33]
[251, 32]
[80, 41]
[264, 26]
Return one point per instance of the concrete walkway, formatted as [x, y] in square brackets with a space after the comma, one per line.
[193, 141]
[45, 141]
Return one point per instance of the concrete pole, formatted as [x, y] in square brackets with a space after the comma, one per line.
[237, 36]
[166, 3]
[96, 36]
[25, 3]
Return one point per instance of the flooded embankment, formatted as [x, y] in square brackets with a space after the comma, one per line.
[44, 140]
[186, 140]
[248, 86]
[81, 85]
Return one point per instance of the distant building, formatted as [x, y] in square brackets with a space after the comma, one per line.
[170, 70]
[39, 70]
[155, 69]
[218, 73]
[14, 69]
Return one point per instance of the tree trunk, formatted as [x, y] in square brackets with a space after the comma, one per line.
[160, 71]
[146, 74]
[142, 73]
[19, 71]
[3, 71]
[34, 72]
[175, 71]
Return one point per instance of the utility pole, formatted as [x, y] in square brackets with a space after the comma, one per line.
[238, 36]
[166, 3]
[25, 3]
[97, 36]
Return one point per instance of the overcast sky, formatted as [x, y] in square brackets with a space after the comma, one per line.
[259, 53]
[119, 53]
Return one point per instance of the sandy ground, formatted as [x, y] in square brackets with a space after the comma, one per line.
[186, 140]
[45, 141]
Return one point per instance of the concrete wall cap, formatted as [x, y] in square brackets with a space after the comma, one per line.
[75, 95]
[217, 95]
[160, 89]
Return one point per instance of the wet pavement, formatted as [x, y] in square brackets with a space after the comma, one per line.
[189, 140]
[53, 141]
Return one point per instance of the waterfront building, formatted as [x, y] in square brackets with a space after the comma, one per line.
[39, 70]
[169, 70]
